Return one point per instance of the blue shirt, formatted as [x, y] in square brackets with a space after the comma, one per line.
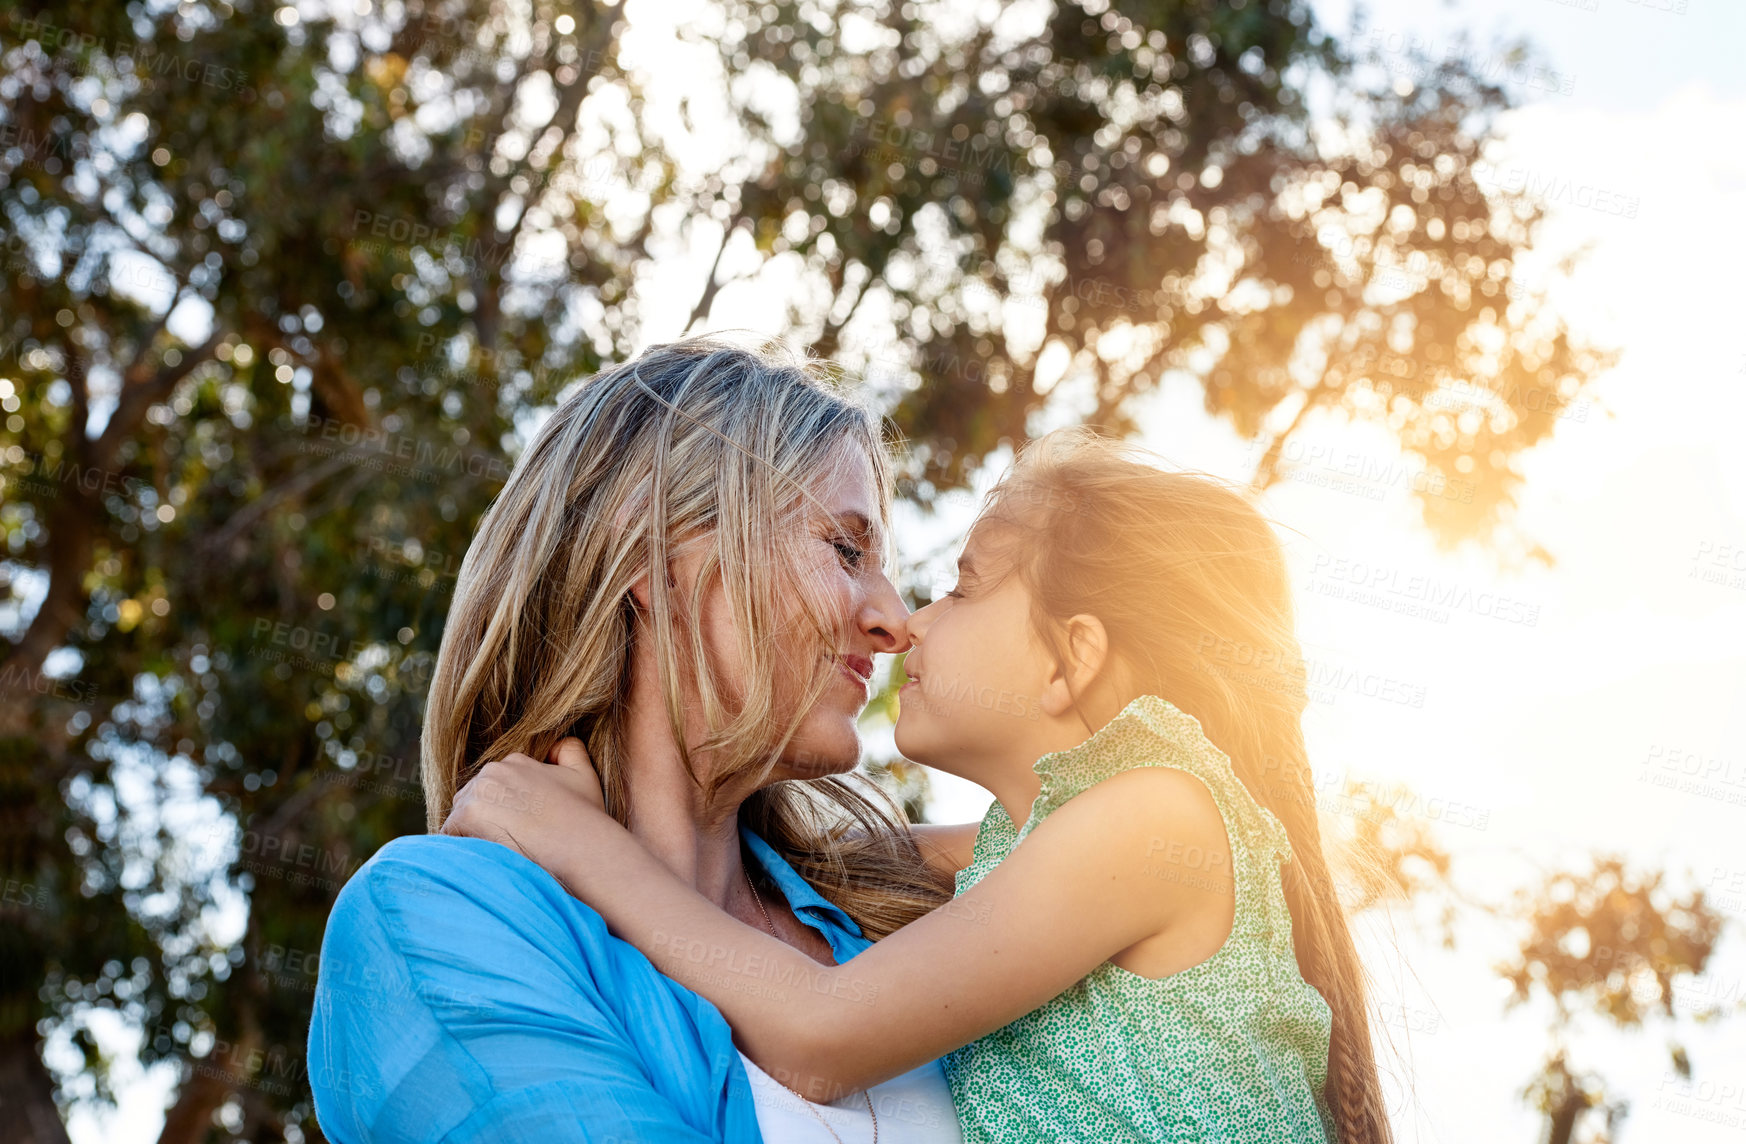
[464, 996]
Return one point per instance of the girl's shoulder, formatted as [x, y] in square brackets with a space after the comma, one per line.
[1152, 732]
[947, 847]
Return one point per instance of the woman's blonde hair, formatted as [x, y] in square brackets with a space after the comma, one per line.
[699, 442]
[1190, 584]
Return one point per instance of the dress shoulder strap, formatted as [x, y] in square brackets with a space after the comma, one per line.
[1153, 732]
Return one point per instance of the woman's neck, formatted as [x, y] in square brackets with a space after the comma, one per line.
[697, 838]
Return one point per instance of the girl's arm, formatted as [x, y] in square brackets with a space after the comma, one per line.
[1093, 879]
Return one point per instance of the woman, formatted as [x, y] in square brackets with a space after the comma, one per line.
[684, 571]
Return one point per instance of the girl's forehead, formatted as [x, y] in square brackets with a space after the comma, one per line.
[989, 550]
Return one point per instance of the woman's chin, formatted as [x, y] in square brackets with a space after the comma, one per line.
[817, 753]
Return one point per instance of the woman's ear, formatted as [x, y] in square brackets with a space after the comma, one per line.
[684, 564]
[1087, 652]
[639, 592]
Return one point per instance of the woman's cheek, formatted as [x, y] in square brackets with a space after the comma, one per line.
[836, 592]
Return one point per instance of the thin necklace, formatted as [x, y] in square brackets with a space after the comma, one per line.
[758, 898]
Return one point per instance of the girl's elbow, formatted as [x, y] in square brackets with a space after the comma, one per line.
[819, 1083]
[816, 1061]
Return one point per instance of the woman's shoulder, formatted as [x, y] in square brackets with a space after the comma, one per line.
[467, 958]
[442, 865]
[424, 931]
[441, 902]
[446, 859]
[438, 851]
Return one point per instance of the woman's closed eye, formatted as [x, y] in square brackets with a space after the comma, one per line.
[852, 555]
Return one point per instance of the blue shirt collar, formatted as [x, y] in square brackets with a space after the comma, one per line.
[808, 904]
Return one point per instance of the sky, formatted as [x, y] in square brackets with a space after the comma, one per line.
[1552, 699]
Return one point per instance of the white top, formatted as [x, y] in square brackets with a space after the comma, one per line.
[915, 1108]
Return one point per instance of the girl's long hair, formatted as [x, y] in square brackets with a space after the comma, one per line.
[696, 442]
[1190, 584]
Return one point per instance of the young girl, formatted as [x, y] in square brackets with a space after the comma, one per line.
[1164, 957]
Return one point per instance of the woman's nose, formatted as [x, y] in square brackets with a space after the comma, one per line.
[887, 619]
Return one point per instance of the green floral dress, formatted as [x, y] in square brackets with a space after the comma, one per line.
[1234, 1049]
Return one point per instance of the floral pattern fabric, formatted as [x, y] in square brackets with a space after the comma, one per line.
[1231, 1051]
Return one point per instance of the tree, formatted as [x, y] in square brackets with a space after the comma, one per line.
[1611, 942]
[278, 290]
[1190, 208]
[246, 563]
[1603, 941]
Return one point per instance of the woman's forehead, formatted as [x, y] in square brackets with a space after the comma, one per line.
[845, 488]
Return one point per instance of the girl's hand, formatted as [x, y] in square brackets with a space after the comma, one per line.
[531, 806]
[572, 755]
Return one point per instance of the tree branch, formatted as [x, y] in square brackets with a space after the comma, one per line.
[296, 484]
[710, 286]
[1267, 469]
[137, 396]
